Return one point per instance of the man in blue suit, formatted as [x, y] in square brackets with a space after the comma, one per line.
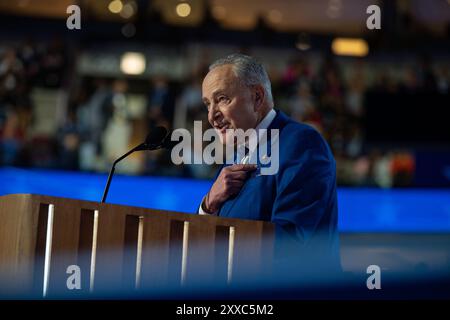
[300, 198]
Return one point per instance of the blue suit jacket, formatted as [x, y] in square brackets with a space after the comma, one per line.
[300, 199]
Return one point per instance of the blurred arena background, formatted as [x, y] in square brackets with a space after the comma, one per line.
[71, 101]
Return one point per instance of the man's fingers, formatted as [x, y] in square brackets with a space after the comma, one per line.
[235, 183]
[243, 167]
[238, 175]
[234, 189]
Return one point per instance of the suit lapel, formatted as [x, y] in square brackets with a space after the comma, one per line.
[278, 122]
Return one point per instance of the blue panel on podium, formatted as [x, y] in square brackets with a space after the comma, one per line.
[360, 210]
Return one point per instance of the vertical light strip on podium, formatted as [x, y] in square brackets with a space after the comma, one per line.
[48, 249]
[139, 251]
[230, 254]
[184, 255]
[93, 252]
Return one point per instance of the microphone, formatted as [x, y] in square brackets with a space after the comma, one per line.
[155, 140]
[158, 138]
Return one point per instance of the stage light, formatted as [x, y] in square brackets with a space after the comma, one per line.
[350, 47]
[129, 30]
[132, 63]
[128, 10]
[115, 6]
[183, 10]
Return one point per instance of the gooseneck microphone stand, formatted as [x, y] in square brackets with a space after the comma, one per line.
[157, 139]
[111, 172]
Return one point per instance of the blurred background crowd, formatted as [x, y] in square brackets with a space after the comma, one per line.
[78, 99]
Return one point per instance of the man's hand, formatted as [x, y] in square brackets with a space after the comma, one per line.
[228, 183]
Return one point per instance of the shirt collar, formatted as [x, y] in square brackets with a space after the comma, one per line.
[263, 125]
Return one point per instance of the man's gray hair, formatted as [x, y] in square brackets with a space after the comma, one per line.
[248, 70]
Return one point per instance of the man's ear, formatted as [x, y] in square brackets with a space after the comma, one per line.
[258, 96]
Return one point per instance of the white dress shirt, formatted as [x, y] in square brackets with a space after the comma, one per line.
[243, 158]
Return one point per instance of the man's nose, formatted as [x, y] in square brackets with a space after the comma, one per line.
[213, 115]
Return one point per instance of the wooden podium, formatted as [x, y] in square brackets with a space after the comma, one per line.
[116, 246]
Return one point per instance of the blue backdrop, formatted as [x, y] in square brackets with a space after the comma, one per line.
[360, 210]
